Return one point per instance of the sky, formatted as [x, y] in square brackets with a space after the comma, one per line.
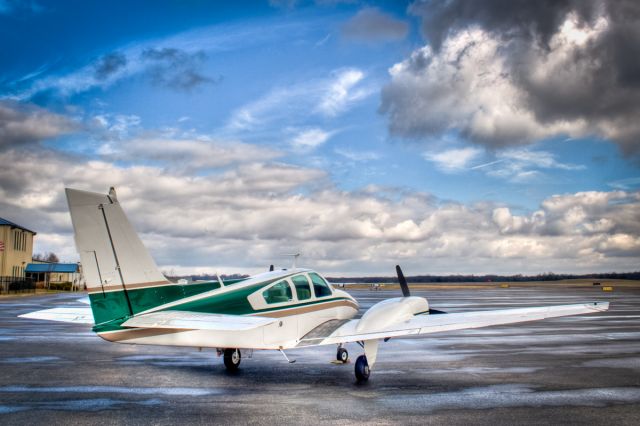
[448, 137]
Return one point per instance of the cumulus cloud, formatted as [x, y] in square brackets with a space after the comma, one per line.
[25, 124]
[504, 74]
[370, 24]
[241, 218]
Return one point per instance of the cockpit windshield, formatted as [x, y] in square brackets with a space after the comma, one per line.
[302, 287]
[320, 287]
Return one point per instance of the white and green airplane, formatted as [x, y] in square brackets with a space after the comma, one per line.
[132, 302]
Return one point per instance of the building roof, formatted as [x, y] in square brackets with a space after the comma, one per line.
[14, 225]
[52, 267]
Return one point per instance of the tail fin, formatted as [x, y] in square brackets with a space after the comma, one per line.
[115, 263]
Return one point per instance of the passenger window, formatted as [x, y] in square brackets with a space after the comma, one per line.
[302, 287]
[280, 292]
[320, 286]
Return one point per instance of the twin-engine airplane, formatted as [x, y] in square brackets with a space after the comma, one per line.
[132, 302]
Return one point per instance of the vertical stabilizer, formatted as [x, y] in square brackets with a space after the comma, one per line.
[114, 260]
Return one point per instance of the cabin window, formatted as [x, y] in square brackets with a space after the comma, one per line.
[320, 286]
[302, 287]
[278, 293]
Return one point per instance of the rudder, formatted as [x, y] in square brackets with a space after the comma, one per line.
[115, 262]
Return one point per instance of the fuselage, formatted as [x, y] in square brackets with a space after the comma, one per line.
[300, 299]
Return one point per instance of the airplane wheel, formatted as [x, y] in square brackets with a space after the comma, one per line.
[232, 358]
[342, 355]
[362, 369]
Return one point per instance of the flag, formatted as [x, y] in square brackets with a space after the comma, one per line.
[1, 245]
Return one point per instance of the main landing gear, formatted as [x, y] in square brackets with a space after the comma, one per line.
[342, 355]
[362, 369]
[232, 358]
[365, 362]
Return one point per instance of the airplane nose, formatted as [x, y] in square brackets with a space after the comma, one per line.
[346, 295]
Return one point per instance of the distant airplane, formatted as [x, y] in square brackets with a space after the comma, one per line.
[132, 302]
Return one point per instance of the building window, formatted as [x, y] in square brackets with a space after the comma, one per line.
[19, 240]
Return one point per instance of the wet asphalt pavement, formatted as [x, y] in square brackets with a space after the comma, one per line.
[574, 370]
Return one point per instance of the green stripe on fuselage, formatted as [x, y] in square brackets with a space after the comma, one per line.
[112, 305]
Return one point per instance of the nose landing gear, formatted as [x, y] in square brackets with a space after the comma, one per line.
[342, 355]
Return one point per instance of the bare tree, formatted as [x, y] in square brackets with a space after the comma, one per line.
[38, 256]
[46, 257]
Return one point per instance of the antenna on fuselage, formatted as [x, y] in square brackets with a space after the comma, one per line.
[295, 258]
[220, 280]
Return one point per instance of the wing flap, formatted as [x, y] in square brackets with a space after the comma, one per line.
[427, 324]
[78, 315]
[197, 321]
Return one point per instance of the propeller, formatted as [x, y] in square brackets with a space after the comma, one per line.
[271, 268]
[403, 282]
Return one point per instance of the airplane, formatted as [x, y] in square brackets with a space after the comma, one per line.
[132, 302]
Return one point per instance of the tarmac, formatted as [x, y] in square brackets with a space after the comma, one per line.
[572, 370]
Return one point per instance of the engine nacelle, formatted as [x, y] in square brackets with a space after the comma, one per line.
[391, 311]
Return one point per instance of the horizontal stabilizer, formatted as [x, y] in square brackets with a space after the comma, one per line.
[78, 315]
[197, 321]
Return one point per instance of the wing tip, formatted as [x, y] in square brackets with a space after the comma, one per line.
[599, 306]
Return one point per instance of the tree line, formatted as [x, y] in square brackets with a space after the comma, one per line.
[548, 276]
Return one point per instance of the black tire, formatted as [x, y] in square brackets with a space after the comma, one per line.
[232, 358]
[342, 355]
[362, 369]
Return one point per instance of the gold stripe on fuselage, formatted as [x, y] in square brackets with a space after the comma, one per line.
[297, 310]
[118, 287]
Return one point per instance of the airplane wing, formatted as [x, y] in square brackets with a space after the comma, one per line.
[78, 315]
[197, 321]
[335, 332]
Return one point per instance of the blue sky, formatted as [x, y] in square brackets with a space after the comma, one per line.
[385, 140]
